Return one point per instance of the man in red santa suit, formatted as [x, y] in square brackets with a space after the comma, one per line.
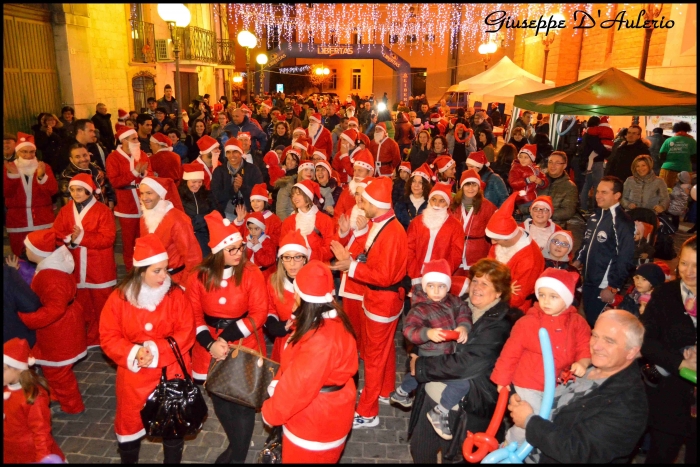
[88, 230]
[514, 248]
[362, 168]
[319, 135]
[28, 186]
[172, 226]
[354, 124]
[434, 235]
[125, 170]
[164, 162]
[540, 228]
[381, 268]
[342, 161]
[385, 150]
[209, 151]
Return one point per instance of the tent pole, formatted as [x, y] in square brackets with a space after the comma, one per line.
[553, 136]
[513, 118]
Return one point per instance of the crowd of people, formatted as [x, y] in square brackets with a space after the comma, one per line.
[324, 226]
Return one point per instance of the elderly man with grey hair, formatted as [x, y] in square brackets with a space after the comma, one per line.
[600, 417]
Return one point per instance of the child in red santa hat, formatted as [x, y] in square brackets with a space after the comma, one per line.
[526, 175]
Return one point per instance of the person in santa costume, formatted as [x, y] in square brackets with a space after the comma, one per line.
[291, 257]
[259, 248]
[540, 227]
[415, 196]
[434, 235]
[164, 162]
[495, 189]
[87, 228]
[209, 151]
[362, 168]
[473, 211]
[125, 170]
[385, 152]
[381, 268]
[320, 136]
[259, 201]
[330, 190]
[59, 323]
[514, 248]
[145, 309]
[304, 146]
[316, 229]
[197, 202]
[25, 411]
[28, 185]
[230, 305]
[274, 168]
[343, 159]
[526, 176]
[313, 394]
[445, 170]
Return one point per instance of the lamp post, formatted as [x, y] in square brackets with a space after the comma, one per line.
[176, 15]
[262, 61]
[248, 40]
[322, 73]
[547, 40]
[486, 50]
[651, 12]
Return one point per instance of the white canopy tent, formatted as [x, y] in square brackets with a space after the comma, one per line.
[503, 70]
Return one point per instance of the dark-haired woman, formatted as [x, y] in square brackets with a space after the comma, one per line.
[420, 150]
[439, 149]
[486, 144]
[229, 303]
[313, 394]
[504, 160]
[145, 308]
[415, 198]
[197, 130]
[280, 137]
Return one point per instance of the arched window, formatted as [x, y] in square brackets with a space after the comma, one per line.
[144, 86]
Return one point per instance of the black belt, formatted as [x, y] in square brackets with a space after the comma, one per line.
[391, 288]
[221, 323]
[174, 271]
[331, 388]
[128, 187]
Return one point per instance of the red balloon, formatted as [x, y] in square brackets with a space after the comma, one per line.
[486, 442]
[451, 335]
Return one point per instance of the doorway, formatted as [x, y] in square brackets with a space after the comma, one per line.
[420, 77]
[144, 87]
[190, 88]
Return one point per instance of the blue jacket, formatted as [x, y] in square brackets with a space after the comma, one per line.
[256, 134]
[607, 253]
[222, 186]
[495, 190]
[405, 211]
[17, 296]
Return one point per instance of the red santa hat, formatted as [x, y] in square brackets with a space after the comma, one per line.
[478, 159]
[350, 106]
[543, 201]
[232, 144]
[271, 158]
[244, 108]
[149, 250]
[530, 150]
[85, 181]
[381, 126]
[350, 136]
[299, 130]
[310, 188]
[293, 241]
[314, 284]
[434, 118]
[563, 282]
[161, 139]
[326, 166]
[355, 121]
[405, 166]
[267, 103]
[192, 171]
[305, 164]
[302, 144]
[259, 192]
[16, 354]
[207, 144]
[502, 226]
[566, 234]
[158, 185]
[119, 127]
[378, 192]
[604, 121]
[664, 267]
[364, 159]
[460, 285]
[443, 190]
[364, 139]
[243, 135]
[315, 117]
[437, 270]
[424, 171]
[320, 153]
[444, 163]
[257, 219]
[41, 242]
[122, 114]
[222, 232]
[470, 175]
[124, 133]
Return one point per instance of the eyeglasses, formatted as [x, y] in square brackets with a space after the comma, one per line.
[539, 209]
[556, 242]
[296, 259]
[234, 251]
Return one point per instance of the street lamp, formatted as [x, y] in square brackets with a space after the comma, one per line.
[548, 40]
[651, 12]
[262, 61]
[248, 40]
[176, 15]
[486, 50]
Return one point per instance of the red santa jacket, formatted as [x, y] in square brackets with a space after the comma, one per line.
[520, 361]
[425, 245]
[525, 267]
[312, 419]
[29, 205]
[207, 172]
[476, 244]
[59, 323]
[387, 153]
[342, 163]
[263, 254]
[320, 245]
[177, 235]
[273, 227]
[95, 267]
[345, 203]
[354, 241]
[26, 427]
[125, 180]
[167, 164]
[280, 309]
[322, 140]
[124, 329]
[517, 179]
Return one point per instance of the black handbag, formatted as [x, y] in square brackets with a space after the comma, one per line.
[271, 453]
[176, 407]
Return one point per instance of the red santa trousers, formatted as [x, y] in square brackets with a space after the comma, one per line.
[17, 242]
[92, 301]
[64, 387]
[380, 365]
[356, 315]
[293, 454]
[130, 232]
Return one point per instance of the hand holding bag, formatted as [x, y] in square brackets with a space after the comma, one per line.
[176, 407]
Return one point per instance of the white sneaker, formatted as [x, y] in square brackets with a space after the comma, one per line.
[363, 422]
[384, 400]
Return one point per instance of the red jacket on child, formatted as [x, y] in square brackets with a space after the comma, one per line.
[517, 179]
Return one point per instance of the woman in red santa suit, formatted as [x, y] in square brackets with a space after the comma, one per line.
[259, 201]
[145, 309]
[473, 212]
[362, 167]
[292, 256]
[540, 228]
[126, 167]
[229, 301]
[165, 163]
[59, 323]
[209, 151]
[88, 230]
[319, 135]
[172, 226]
[445, 170]
[316, 229]
[313, 393]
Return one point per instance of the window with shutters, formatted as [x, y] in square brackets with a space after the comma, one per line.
[356, 79]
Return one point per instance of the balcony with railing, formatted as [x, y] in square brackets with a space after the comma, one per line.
[226, 53]
[143, 41]
[197, 44]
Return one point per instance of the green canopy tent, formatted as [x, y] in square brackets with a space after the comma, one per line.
[610, 92]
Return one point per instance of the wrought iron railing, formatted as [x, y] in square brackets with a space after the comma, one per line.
[143, 41]
[226, 54]
[197, 44]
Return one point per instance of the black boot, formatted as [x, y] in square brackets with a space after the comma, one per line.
[129, 452]
[225, 457]
[172, 450]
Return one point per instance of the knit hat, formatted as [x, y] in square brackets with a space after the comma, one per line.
[543, 201]
[378, 192]
[271, 158]
[530, 150]
[424, 171]
[320, 153]
[207, 144]
[561, 281]
[192, 171]
[41, 242]
[122, 114]
[437, 270]
[157, 184]
[364, 159]
[293, 241]
[444, 190]
[221, 232]
[443, 163]
[350, 136]
[124, 132]
[149, 250]
[257, 219]
[314, 284]
[564, 233]
[405, 166]
[502, 226]
[460, 285]
[310, 188]
[478, 159]
[232, 144]
[315, 117]
[85, 181]
[470, 175]
[651, 272]
[326, 166]
[16, 354]
[160, 138]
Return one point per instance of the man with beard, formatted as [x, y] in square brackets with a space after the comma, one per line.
[126, 166]
[79, 162]
[362, 168]
[320, 136]
[172, 226]
[28, 186]
[385, 152]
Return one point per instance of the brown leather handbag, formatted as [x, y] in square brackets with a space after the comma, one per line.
[243, 376]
